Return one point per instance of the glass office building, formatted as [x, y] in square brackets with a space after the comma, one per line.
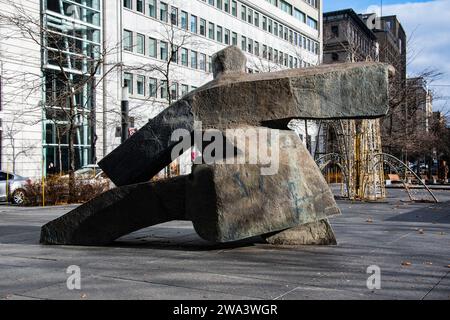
[71, 65]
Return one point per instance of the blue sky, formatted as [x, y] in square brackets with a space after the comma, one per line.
[359, 5]
[427, 25]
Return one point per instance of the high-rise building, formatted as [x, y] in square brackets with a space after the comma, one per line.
[158, 50]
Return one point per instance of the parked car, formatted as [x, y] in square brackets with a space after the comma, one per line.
[92, 174]
[91, 171]
[16, 187]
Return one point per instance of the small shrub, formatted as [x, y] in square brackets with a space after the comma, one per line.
[56, 190]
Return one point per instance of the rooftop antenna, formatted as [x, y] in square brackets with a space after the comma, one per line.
[381, 8]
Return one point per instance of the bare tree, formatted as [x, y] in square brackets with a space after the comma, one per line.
[10, 130]
[76, 72]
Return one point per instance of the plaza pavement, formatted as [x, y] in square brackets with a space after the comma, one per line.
[410, 242]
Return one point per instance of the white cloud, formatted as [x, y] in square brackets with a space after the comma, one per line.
[427, 25]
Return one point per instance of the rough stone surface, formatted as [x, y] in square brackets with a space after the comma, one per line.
[148, 151]
[356, 90]
[313, 233]
[229, 60]
[228, 202]
[348, 90]
[118, 212]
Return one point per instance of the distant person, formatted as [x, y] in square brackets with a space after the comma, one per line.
[51, 170]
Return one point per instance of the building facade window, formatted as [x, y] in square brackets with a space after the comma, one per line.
[243, 13]
[209, 64]
[140, 6]
[250, 16]
[202, 61]
[193, 59]
[227, 36]
[335, 31]
[152, 47]
[163, 52]
[312, 23]
[184, 57]
[299, 15]
[286, 7]
[256, 22]
[140, 85]
[128, 82]
[163, 89]
[174, 91]
[127, 40]
[219, 36]
[128, 4]
[174, 54]
[211, 30]
[193, 24]
[163, 7]
[184, 89]
[234, 8]
[234, 39]
[184, 20]
[140, 43]
[203, 27]
[243, 43]
[226, 6]
[152, 87]
[174, 16]
[152, 8]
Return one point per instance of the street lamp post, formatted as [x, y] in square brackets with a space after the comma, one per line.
[124, 111]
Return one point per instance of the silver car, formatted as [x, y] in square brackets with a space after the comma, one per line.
[16, 187]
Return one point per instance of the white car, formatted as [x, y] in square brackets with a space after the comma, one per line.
[15, 186]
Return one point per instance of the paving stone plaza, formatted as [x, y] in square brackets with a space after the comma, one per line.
[409, 242]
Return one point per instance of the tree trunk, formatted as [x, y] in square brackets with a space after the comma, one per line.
[71, 135]
[58, 136]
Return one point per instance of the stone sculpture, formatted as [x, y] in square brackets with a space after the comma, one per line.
[228, 202]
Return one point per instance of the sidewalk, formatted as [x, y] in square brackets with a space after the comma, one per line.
[170, 261]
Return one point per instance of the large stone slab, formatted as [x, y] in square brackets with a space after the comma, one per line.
[118, 212]
[228, 202]
[234, 99]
